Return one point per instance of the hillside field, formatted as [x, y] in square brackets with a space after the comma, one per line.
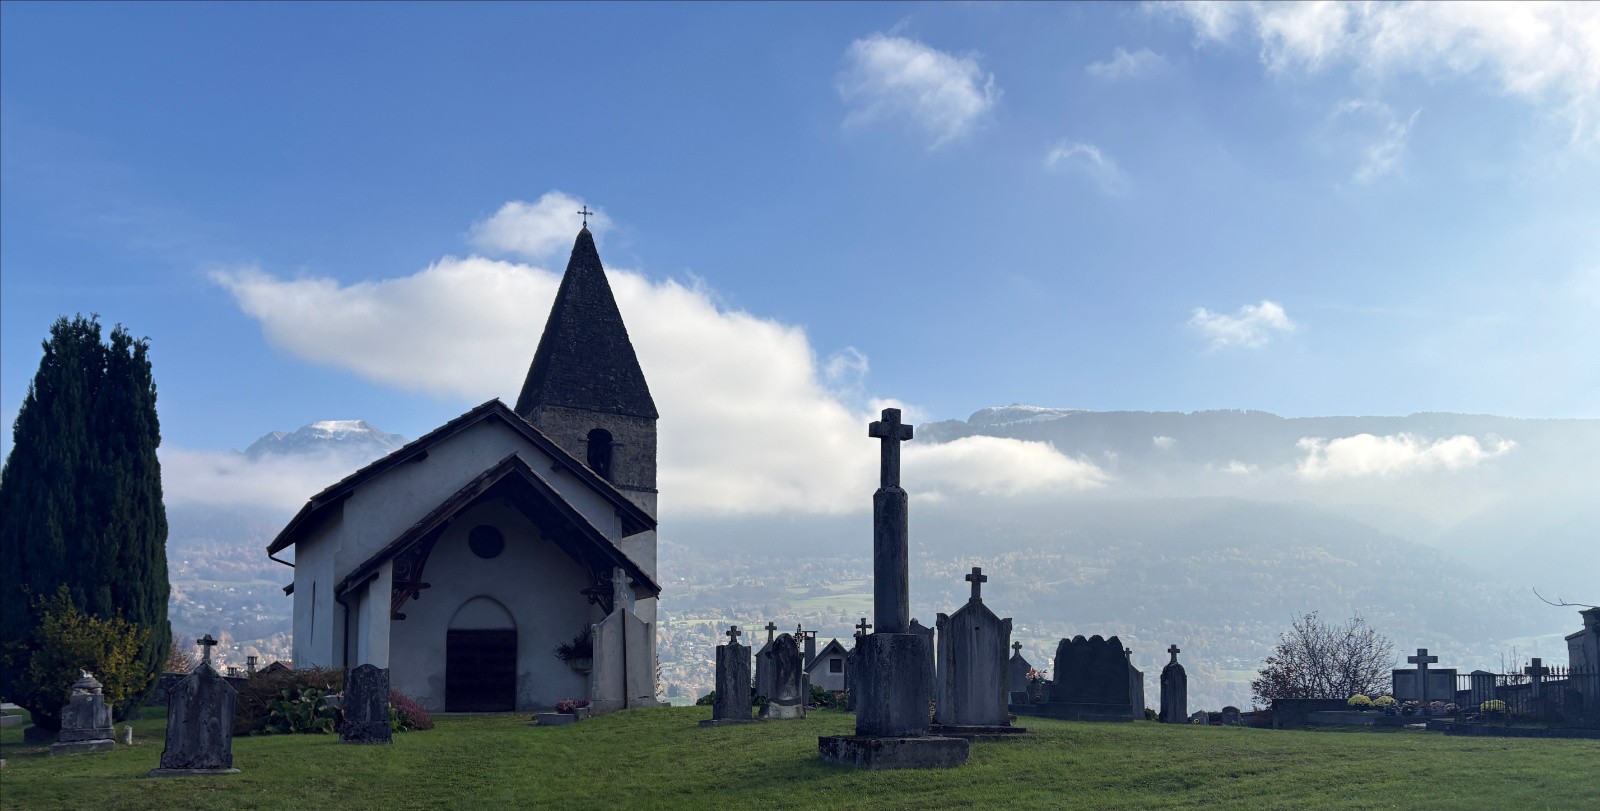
[660, 759]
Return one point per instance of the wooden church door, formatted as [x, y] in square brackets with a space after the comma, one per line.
[480, 670]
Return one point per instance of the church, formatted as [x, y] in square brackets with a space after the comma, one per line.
[463, 560]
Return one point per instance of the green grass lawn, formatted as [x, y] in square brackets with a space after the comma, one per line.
[660, 759]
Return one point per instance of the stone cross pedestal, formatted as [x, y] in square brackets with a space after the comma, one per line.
[894, 679]
[732, 703]
[366, 706]
[199, 723]
[1174, 691]
[1422, 660]
[85, 720]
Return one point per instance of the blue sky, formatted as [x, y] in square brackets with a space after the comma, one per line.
[1306, 210]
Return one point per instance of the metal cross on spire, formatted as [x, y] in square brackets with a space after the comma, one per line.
[586, 215]
[977, 579]
[206, 642]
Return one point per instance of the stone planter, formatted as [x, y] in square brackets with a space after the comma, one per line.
[581, 665]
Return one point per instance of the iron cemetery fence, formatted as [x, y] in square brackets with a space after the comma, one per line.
[1539, 692]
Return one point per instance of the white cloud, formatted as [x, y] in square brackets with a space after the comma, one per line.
[1365, 455]
[1546, 53]
[1163, 443]
[534, 230]
[230, 478]
[1125, 65]
[1383, 136]
[1238, 468]
[1253, 326]
[750, 420]
[1087, 159]
[944, 95]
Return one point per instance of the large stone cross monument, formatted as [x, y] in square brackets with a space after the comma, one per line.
[1422, 660]
[894, 680]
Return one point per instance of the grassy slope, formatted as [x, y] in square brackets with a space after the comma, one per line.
[659, 758]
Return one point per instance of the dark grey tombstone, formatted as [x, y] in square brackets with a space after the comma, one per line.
[895, 665]
[1231, 717]
[199, 725]
[1481, 687]
[1174, 691]
[366, 706]
[1017, 671]
[970, 695]
[85, 720]
[852, 669]
[787, 699]
[732, 702]
[1094, 681]
[933, 647]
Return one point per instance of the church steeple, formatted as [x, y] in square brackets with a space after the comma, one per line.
[585, 360]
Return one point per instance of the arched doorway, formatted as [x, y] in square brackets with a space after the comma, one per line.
[480, 670]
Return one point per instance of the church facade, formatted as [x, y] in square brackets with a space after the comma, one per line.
[463, 560]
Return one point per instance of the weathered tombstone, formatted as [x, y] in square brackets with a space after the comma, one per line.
[933, 646]
[765, 686]
[622, 674]
[1231, 717]
[199, 723]
[1017, 669]
[732, 703]
[895, 673]
[1482, 687]
[1536, 671]
[970, 688]
[787, 699]
[852, 665]
[366, 706]
[1094, 681]
[1174, 691]
[85, 720]
[1200, 717]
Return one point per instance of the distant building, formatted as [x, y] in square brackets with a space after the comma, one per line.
[826, 669]
[463, 559]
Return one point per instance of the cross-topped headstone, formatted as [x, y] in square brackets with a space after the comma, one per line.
[771, 628]
[1422, 660]
[1536, 672]
[733, 634]
[892, 432]
[206, 642]
[977, 579]
[585, 212]
[1174, 651]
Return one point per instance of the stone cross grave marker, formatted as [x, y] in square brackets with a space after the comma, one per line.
[199, 722]
[977, 578]
[366, 706]
[1174, 691]
[1422, 660]
[787, 699]
[863, 627]
[971, 684]
[891, 585]
[621, 590]
[732, 702]
[1536, 672]
[207, 643]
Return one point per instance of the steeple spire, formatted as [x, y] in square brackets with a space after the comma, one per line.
[585, 360]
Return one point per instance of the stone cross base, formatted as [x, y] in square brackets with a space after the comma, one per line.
[722, 722]
[190, 772]
[892, 753]
[896, 685]
[977, 732]
[79, 747]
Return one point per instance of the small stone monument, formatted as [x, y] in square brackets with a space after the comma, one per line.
[1095, 680]
[895, 673]
[1174, 691]
[765, 687]
[852, 666]
[199, 722]
[1017, 670]
[787, 699]
[732, 704]
[971, 678]
[85, 720]
[366, 706]
[1231, 717]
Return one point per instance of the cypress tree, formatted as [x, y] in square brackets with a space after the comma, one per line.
[80, 495]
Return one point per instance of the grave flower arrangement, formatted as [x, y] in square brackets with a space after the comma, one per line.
[1411, 708]
[1360, 702]
[1385, 703]
[579, 652]
[570, 706]
[1492, 707]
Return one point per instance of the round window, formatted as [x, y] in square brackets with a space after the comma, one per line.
[485, 541]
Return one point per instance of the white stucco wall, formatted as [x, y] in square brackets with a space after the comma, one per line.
[318, 625]
[533, 579]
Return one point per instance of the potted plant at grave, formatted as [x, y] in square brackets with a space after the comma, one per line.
[1036, 683]
[572, 706]
[579, 652]
[1493, 709]
[1386, 704]
[1411, 708]
[1359, 702]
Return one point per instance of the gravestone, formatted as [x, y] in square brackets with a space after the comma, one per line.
[366, 706]
[1094, 681]
[1423, 683]
[1017, 682]
[1174, 691]
[85, 720]
[199, 723]
[971, 680]
[852, 665]
[1200, 717]
[919, 628]
[732, 702]
[1231, 717]
[1536, 671]
[895, 665]
[765, 686]
[1481, 687]
[808, 652]
[787, 699]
